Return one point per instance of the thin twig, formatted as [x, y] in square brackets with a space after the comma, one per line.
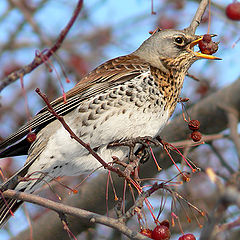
[229, 195]
[205, 138]
[193, 77]
[233, 116]
[221, 159]
[139, 203]
[197, 17]
[80, 213]
[28, 15]
[39, 60]
[74, 136]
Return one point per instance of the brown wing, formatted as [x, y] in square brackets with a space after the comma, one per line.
[107, 75]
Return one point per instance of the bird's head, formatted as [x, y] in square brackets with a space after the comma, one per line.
[171, 48]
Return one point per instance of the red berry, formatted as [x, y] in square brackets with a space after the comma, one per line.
[207, 38]
[207, 46]
[194, 125]
[196, 136]
[187, 236]
[146, 232]
[161, 232]
[31, 137]
[165, 223]
[233, 11]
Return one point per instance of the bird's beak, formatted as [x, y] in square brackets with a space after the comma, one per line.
[202, 55]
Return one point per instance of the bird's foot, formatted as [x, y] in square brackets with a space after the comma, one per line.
[131, 143]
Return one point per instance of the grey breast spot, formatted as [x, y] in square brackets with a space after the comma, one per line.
[106, 118]
[91, 117]
[82, 109]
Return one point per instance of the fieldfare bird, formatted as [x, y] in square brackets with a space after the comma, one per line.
[126, 97]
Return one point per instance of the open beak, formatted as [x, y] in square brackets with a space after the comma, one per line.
[202, 55]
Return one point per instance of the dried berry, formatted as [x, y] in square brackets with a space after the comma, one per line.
[187, 236]
[207, 46]
[233, 11]
[196, 136]
[194, 125]
[31, 137]
[161, 232]
[146, 232]
[165, 223]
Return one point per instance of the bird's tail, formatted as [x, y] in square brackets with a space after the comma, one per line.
[7, 209]
[9, 206]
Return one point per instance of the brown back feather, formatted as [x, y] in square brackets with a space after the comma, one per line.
[107, 75]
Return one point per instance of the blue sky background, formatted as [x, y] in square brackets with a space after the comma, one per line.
[131, 21]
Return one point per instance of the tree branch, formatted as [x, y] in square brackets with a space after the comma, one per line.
[80, 213]
[38, 60]
[197, 17]
[92, 195]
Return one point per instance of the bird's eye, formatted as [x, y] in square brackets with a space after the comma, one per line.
[179, 40]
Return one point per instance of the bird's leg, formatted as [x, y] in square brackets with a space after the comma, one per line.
[131, 168]
[163, 143]
[119, 162]
[131, 143]
[142, 154]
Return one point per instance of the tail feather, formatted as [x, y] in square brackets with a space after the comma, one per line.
[18, 149]
[9, 206]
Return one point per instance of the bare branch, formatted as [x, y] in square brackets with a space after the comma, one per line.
[229, 195]
[80, 213]
[213, 121]
[74, 136]
[233, 117]
[37, 61]
[197, 17]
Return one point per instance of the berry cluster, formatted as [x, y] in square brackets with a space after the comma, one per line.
[162, 232]
[194, 125]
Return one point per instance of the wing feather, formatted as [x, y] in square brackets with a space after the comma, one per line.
[107, 75]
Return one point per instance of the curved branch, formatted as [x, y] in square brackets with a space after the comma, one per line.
[39, 59]
[197, 17]
[92, 195]
[80, 213]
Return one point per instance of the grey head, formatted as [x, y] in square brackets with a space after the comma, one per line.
[171, 48]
